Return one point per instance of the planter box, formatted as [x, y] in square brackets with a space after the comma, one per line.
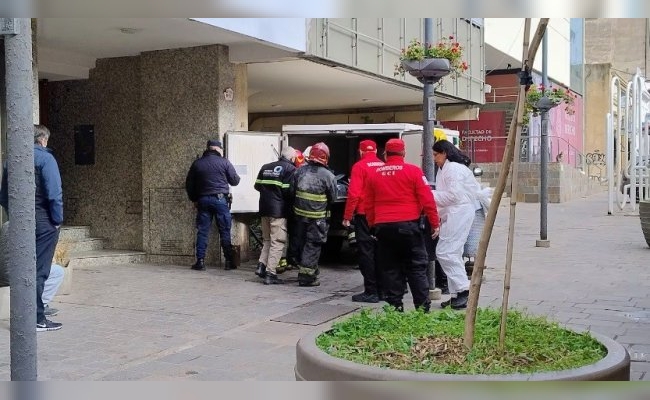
[429, 68]
[644, 214]
[313, 364]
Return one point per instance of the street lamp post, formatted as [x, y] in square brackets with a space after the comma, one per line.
[544, 105]
[428, 71]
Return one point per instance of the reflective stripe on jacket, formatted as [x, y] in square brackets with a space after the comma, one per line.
[314, 188]
[273, 182]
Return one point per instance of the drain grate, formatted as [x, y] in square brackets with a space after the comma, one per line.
[315, 314]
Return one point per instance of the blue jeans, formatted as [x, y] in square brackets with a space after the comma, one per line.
[52, 283]
[209, 208]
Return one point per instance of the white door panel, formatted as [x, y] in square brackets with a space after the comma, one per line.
[248, 151]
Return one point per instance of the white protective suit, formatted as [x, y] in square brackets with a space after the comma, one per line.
[456, 196]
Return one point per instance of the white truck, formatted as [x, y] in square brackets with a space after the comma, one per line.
[248, 151]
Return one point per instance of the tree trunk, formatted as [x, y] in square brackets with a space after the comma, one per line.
[479, 262]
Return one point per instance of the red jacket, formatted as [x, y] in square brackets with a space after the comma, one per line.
[397, 192]
[360, 170]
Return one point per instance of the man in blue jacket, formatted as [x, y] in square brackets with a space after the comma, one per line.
[49, 217]
[207, 186]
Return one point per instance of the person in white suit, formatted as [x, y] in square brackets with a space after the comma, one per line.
[457, 195]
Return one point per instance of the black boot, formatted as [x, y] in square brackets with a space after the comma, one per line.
[365, 298]
[199, 265]
[228, 256]
[272, 279]
[261, 270]
[228, 265]
[460, 301]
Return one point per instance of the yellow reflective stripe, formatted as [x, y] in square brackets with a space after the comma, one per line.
[310, 214]
[310, 196]
[276, 183]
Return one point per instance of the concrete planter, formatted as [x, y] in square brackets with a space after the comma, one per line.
[644, 214]
[313, 364]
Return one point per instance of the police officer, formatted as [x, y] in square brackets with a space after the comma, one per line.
[314, 189]
[273, 182]
[207, 187]
[355, 208]
[397, 194]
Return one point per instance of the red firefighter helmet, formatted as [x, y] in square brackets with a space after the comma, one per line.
[319, 153]
[299, 160]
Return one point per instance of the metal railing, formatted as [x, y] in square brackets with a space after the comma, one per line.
[484, 149]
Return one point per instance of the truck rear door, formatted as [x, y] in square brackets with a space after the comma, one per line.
[248, 151]
[413, 142]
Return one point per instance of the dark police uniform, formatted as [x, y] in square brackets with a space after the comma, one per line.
[207, 185]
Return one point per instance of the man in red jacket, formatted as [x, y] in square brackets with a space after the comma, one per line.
[397, 194]
[355, 208]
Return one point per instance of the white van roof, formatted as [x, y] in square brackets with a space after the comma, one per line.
[351, 128]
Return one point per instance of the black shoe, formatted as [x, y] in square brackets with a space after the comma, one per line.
[261, 270]
[444, 290]
[469, 268]
[48, 325]
[199, 265]
[365, 298]
[446, 303]
[228, 265]
[50, 311]
[312, 283]
[460, 302]
[272, 279]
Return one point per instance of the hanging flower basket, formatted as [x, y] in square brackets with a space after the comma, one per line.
[432, 68]
[432, 62]
[555, 95]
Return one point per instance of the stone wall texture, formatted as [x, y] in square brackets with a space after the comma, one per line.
[152, 115]
[565, 183]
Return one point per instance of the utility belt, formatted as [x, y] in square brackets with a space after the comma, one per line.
[221, 196]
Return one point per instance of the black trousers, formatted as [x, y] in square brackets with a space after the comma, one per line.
[311, 233]
[441, 277]
[47, 236]
[293, 242]
[401, 254]
[366, 250]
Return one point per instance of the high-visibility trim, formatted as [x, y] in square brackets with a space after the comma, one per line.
[311, 197]
[310, 214]
[271, 182]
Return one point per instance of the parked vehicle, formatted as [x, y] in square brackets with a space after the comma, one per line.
[248, 151]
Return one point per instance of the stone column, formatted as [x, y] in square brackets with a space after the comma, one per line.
[184, 104]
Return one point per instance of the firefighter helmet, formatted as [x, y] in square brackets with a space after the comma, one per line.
[319, 153]
[300, 159]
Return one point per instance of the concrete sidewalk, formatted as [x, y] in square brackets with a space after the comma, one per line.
[133, 322]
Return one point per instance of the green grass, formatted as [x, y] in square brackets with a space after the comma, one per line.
[390, 339]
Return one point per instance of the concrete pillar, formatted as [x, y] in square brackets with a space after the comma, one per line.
[35, 102]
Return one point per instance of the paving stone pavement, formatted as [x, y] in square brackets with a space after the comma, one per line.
[154, 322]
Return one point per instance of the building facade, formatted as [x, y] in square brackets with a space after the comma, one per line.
[131, 103]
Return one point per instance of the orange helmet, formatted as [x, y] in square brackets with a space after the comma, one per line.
[319, 153]
[299, 160]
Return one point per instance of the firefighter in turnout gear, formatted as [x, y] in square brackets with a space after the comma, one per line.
[314, 189]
